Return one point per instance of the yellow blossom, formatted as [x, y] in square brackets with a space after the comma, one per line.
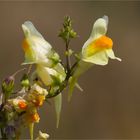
[38, 51]
[96, 50]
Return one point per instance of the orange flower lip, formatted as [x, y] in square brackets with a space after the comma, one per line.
[100, 44]
[22, 105]
[25, 45]
[104, 42]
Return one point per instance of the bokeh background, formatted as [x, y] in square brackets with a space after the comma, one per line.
[109, 107]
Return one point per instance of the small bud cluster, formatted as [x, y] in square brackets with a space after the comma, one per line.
[67, 31]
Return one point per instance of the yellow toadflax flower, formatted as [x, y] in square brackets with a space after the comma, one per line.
[38, 51]
[96, 50]
[36, 48]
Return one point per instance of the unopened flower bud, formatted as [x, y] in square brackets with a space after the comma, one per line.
[67, 32]
[8, 85]
[25, 81]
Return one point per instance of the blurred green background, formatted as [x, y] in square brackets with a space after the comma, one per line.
[109, 107]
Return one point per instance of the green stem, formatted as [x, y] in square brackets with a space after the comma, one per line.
[65, 83]
[13, 75]
[68, 63]
[61, 88]
[3, 135]
[31, 128]
[29, 69]
[73, 67]
[69, 72]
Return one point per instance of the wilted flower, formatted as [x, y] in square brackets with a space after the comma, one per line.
[31, 115]
[39, 51]
[37, 95]
[38, 90]
[34, 117]
[18, 103]
[42, 136]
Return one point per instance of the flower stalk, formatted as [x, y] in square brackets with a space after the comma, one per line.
[68, 63]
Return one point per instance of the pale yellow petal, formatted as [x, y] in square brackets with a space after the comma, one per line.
[99, 30]
[30, 30]
[44, 74]
[36, 48]
[60, 69]
[111, 54]
[99, 27]
[99, 58]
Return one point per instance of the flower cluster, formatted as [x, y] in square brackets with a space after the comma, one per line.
[29, 103]
[19, 109]
[23, 110]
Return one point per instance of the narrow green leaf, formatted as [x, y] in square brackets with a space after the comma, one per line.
[58, 106]
[72, 84]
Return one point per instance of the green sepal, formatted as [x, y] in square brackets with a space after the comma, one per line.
[72, 83]
[58, 106]
[55, 58]
[56, 80]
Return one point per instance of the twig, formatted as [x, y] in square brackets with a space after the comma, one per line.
[13, 75]
[61, 88]
[29, 69]
[73, 67]
[68, 63]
